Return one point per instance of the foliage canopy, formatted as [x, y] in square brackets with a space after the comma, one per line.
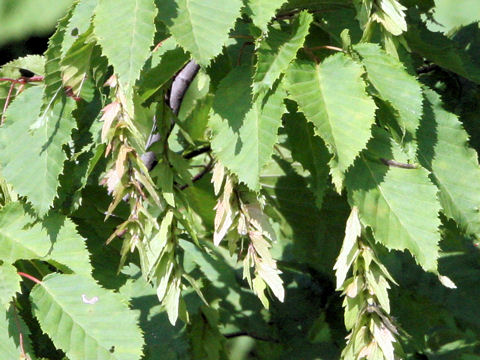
[257, 179]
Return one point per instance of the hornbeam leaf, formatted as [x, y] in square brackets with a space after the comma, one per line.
[278, 50]
[245, 132]
[393, 84]
[262, 11]
[400, 205]
[171, 60]
[12, 329]
[18, 239]
[443, 150]
[53, 78]
[9, 284]
[69, 250]
[310, 151]
[200, 27]
[442, 51]
[85, 320]
[79, 22]
[32, 160]
[76, 63]
[125, 32]
[332, 96]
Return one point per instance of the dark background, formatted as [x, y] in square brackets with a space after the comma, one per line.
[31, 45]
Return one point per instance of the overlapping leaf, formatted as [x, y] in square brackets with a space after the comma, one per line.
[278, 50]
[12, 329]
[9, 284]
[262, 11]
[442, 51]
[245, 131]
[400, 205]
[53, 78]
[310, 151]
[32, 160]
[83, 319]
[18, 239]
[125, 31]
[393, 84]
[78, 23]
[443, 150]
[69, 251]
[200, 27]
[171, 59]
[332, 96]
[76, 63]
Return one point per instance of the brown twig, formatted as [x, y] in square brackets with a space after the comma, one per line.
[310, 53]
[22, 81]
[197, 152]
[397, 164]
[200, 175]
[240, 52]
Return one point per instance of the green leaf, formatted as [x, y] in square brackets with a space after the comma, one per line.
[391, 14]
[262, 11]
[393, 84]
[171, 59]
[53, 76]
[449, 15]
[200, 27]
[20, 240]
[78, 23]
[310, 151]
[9, 284]
[76, 63]
[245, 132]
[400, 205]
[33, 162]
[69, 250]
[332, 96]
[443, 149]
[34, 63]
[12, 328]
[278, 50]
[442, 51]
[311, 236]
[85, 320]
[125, 33]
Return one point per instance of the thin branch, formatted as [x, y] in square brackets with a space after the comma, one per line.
[252, 335]
[30, 277]
[20, 334]
[311, 54]
[397, 164]
[199, 175]
[242, 49]
[24, 80]
[197, 152]
[5, 106]
[179, 87]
